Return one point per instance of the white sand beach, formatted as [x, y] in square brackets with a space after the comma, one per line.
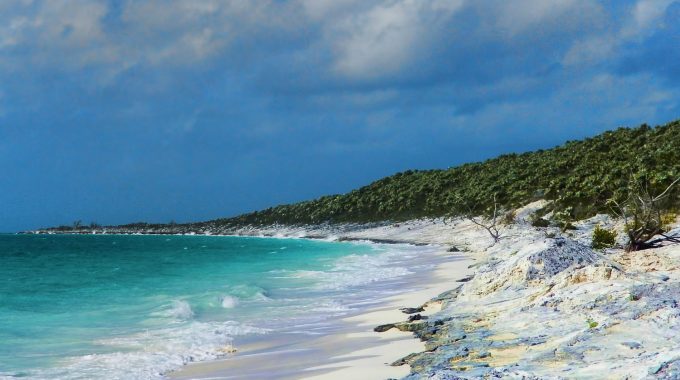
[373, 362]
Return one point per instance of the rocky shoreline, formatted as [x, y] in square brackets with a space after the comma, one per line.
[547, 306]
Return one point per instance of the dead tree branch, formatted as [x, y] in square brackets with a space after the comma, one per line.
[490, 225]
[641, 212]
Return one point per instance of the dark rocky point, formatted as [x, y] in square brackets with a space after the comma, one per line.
[412, 310]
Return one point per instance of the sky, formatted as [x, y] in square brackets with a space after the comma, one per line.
[124, 111]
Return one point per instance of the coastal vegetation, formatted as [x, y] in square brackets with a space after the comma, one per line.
[581, 178]
[629, 173]
[603, 238]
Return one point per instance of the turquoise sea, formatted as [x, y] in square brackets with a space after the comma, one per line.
[137, 307]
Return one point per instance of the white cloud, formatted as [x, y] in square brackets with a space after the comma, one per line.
[55, 33]
[322, 10]
[645, 14]
[392, 36]
[636, 23]
[75, 34]
[590, 50]
[522, 16]
[384, 39]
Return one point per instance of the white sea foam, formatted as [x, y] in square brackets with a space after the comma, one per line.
[150, 354]
[248, 292]
[330, 306]
[180, 309]
[260, 296]
[357, 270]
[229, 302]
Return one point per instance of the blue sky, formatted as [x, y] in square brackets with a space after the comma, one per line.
[121, 111]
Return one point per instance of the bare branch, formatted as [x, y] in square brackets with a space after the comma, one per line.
[643, 215]
[664, 193]
[490, 227]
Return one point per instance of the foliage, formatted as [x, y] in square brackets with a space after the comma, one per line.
[603, 238]
[668, 219]
[579, 176]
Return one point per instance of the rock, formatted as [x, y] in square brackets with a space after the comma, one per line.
[449, 294]
[412, 310]
[483, 354]
[427, 334]
[411, 327]
[454, 336]
[416, 317]
[385, 327]
[406, 359]
[453, 249]
[632, 345]
[656, 368]
[533, 264]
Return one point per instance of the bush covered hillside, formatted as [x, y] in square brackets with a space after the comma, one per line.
[580, 176]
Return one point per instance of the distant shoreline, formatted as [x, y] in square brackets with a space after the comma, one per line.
[340, 233]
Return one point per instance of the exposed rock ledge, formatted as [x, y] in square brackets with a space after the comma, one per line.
[552, 308]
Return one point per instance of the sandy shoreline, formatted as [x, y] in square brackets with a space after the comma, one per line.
[355, 351]
[373, 362]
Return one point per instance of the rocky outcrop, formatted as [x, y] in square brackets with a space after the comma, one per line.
[529, 265]
[552, 308]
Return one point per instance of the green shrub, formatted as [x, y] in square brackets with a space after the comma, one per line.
[668, 220]
[603, 238]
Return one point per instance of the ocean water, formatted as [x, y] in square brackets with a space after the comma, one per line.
[137, 307]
